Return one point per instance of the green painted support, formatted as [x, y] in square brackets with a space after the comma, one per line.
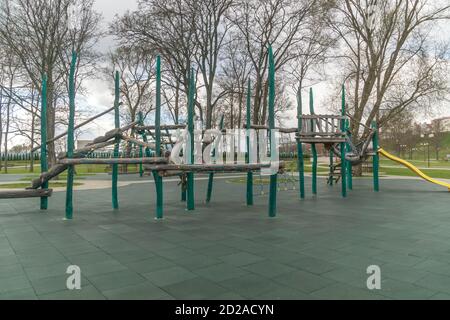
[247, 140]
[140, 117]
[44, 163]
[313, 145]
[330, 178]
[70, 138]
[300, 159]
[349, 170]
[376, 160]
[190, 175]
[158, 179]
[115, 167]
[273, 177]
[211, 174]
[342, 145]
[141, 167]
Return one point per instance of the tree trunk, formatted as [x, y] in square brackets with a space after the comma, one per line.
[177, 103]
[264, 107]
[8, 106]
[357, 170]
[257, 100]
[51, 118]
[1, 129]
[209, 108]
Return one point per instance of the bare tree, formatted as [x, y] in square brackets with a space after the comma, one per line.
[162, 27]
[210, 30]
[270, 22]
[387, 60]
[40, 33]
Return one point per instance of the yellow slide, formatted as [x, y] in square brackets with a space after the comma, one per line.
[413, 168]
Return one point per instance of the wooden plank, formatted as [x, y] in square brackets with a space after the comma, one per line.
[28, 193]
[211, 167]
[320, 140]
[163, 127]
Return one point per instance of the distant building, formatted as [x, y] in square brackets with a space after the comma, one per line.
[442, 123]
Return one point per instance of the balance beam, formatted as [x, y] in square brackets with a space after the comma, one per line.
[28, 193]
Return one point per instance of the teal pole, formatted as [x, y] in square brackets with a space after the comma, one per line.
[376, 160]
[273, 177]
[70, 138]
[190, 175]
[115, 167]
[44, 163]
[156, 176]
[330, 178]
[300, 159]
[343, 161]
[313, 145]
[211, 174]
[349, 164]
[247, 157]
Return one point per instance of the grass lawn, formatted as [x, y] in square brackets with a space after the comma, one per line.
[22, 185]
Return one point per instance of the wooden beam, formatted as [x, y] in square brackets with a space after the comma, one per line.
[211, 167]
[28, 193]
[163, 127]
[153, 160]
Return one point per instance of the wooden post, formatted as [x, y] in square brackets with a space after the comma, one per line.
[375, 158]
[190, 175]
[115, 167]
[300, 160]
[211, 174]
[247, 140]
[313, 145]
[44, 163]
[70, 138]
[343, 161]
[273, 177]
[156, 176]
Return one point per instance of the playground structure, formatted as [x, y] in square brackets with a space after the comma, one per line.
[330, 130]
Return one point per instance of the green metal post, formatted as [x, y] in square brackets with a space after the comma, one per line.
[300, 160]
[44, 163]
[190, 175]
[343, 161]
[70, 138]
[273, 177]
[247, 140]
[330, 178]
[115, 167]
[349, 164]
[156, 176]
[211, 174]
[313, 145]
[376, 160]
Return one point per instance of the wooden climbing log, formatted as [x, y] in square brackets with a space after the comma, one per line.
[211, 167]
[264, 127]
[153, 160]
[60, 168]
[138, 142]
[28, 193]
[163, 127]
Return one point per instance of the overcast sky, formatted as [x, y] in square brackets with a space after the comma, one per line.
[100, 97]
